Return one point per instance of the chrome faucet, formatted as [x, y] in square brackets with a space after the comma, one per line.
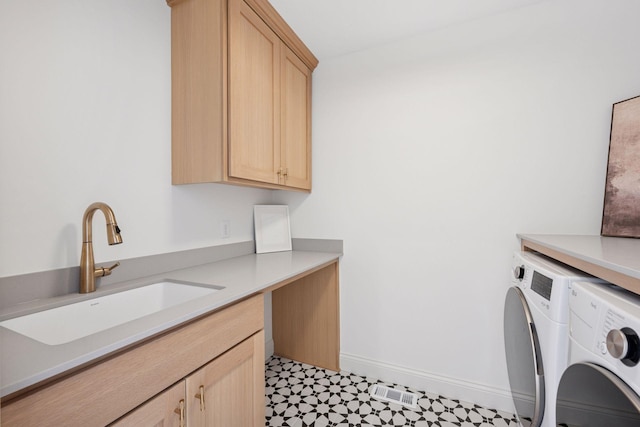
[88, 270]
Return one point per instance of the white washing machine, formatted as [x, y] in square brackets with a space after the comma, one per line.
[601, 387]
[536, 334]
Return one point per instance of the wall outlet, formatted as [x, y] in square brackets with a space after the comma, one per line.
[225, 228]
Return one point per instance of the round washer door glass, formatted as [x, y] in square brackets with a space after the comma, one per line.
[591, 396]
[524, 363]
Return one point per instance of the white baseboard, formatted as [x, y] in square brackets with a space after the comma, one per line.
[268, 349]
[483, 395]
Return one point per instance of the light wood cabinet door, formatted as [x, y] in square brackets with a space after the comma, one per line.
[164, 410]
[269, 104]
[229, 391]
[254, 100]
[295, 121]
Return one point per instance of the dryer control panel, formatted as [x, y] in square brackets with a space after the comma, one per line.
[604, 323]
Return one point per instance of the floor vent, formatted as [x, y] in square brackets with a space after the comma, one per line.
[394, 396]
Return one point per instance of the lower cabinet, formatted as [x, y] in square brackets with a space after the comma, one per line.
[228, 391]
[214, 365]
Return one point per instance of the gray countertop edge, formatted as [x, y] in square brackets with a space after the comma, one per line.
[20, 293]
[619, 254]
[25, 362]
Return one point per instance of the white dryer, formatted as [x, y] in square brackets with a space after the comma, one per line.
[601, 387]
[536, 334]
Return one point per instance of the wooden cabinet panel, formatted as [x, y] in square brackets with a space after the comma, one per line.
[306, 319]
[254, 104]
[232, 388]
[295, 120]
[161, 411]
[198, 90]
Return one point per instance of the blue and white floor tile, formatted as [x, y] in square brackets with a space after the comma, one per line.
[300, 395]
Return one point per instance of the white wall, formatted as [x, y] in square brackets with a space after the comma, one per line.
[430, 154]
[85, 110]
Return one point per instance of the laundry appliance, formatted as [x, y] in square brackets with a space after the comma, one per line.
[536, 334]
[601, 387]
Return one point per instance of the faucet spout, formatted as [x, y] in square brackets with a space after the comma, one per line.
[88, 270]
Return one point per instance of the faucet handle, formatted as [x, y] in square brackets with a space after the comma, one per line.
[105, 271]
[117, 264]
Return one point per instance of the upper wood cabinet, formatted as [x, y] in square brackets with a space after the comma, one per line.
[241, 88]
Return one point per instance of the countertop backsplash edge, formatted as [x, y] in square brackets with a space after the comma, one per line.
[19, 289]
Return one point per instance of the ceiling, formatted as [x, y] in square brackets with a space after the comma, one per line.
[336, 27]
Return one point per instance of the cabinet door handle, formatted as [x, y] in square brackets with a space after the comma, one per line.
[180, 412]
[201, 397]
[283, 173]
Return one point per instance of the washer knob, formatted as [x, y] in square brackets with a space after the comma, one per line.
[617, 343]
[518, 272]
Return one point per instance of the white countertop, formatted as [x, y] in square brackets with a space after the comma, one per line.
[25, 362]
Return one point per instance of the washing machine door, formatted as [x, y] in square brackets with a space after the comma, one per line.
[592, 396]
[524, 362]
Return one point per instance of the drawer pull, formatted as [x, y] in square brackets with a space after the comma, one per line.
[180, 412]
[201, 397]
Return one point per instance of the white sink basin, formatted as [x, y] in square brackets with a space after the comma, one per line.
[64, 324]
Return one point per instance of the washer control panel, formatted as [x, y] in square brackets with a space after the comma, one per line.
[545, 283]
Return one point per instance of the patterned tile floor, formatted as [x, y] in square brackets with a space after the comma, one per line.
[300, 395]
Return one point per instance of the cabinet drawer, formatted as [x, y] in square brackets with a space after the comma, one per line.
[166, 410]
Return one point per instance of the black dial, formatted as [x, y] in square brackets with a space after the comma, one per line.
[518, 272]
